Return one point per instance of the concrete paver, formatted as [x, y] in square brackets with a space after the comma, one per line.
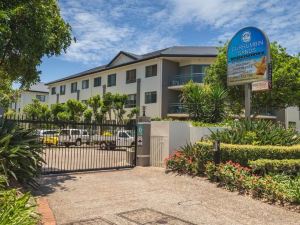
[149, 196]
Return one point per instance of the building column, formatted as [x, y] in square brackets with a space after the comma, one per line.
[57, 98]
[138, 95]
[143, 141]
[78, 95]
[104, 89]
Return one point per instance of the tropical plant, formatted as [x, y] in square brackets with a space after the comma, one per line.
[37, 110]
[204, 103]
[119, 102]
[133, 113]
[75, 109]
[107, 107]
[260, 132]
[20, 153]
[87, 115]
[96, 104]
[56, 109]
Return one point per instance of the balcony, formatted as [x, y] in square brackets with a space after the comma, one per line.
[177, 110]
[177, 82]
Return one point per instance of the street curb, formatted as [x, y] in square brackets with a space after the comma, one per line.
[47, 216]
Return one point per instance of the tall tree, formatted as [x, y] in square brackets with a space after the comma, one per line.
[286, 81]
[96, 104]
[30, 29]
[37, 110]
[119, 102]
[75, 109]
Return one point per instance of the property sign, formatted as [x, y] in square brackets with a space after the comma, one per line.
[248, 57]
[140, 130]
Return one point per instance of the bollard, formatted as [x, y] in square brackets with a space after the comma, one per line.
[217, 152]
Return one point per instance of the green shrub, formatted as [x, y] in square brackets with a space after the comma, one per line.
[260, 132]
[242, 153]
[189, 160]
[17, 208]
[274, 188]
[286, 166]
[20, 153]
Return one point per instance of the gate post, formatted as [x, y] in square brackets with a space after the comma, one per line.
[143, 141]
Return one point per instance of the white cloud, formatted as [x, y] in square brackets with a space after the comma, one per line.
[103, 28]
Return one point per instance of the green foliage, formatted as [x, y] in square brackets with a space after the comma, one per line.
[285, 82]
[29, 30]
[266, 166]
[17, 208]
[119, 102]
[274, 188]
[242, 153]
[108, 99]
[189, 160]
[87, 115]
[37, 110]
[96, 104]
[75, 109]
[56, 109]
[260, 132]
[204, 103]
[20, 153]
[133, 113]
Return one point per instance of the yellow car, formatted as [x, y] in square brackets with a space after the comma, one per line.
[50, 137]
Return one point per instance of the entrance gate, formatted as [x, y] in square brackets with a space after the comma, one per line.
[74, 147]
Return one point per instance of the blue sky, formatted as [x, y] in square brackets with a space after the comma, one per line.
[104, 27]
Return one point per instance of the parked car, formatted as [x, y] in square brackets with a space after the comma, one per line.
[48, 137]
[120, 139]
[75, 137]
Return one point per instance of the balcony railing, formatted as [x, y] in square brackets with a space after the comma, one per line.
[176, 108]
[264, 111]
[183, 79]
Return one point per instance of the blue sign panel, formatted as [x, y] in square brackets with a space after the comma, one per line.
[248, 57]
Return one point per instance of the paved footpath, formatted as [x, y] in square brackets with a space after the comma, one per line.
[149, 196]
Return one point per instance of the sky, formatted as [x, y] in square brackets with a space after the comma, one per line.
[102, 28]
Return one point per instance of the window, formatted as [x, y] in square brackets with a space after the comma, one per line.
[130, 76]
[150, 97]
[53, 91]
[131, 101]
[41, 98]
[85, 84]
[97, 81]
[74, 87]
[62, 89]
[84, 132]
[111, 80]
[123, 135]
[151, 71]
[75, 132]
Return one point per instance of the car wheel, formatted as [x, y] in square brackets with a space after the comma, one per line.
[67, 145]
[103, 146]
[78, 142]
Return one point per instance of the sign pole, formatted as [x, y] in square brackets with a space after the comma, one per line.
[247, 101]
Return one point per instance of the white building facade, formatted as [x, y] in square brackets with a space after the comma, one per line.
[37, 91]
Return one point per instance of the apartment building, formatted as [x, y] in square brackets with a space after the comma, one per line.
[37, 91]
[153, 80]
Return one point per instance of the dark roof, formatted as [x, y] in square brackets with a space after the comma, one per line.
[39, 87]
[175, 51]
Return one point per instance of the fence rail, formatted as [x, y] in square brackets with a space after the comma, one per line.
[79, 146]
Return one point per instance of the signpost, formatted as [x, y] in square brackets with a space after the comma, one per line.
[249, 63]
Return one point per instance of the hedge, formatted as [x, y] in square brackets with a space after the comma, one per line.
[243, 153]
[264, 166]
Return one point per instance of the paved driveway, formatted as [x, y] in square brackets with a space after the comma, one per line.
[149, 196]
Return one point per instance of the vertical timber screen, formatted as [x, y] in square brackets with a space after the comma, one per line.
[73, 147]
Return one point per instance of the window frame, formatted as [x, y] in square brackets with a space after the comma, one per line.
[53, 91]
[76, 89]
[151, 75]
[130, 105]
[42, 99]
[128, 75]
[108, 80]
[60, 89]
[150, 93]
[99, 79]
[85, 84]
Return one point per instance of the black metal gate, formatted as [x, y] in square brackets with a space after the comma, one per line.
[73, 147]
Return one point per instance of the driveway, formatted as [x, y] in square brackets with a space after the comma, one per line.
[149, 196]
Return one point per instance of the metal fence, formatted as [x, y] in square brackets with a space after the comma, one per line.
[71, 146]
[157, 146]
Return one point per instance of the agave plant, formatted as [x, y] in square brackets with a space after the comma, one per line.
[20, 153]
[259, 132]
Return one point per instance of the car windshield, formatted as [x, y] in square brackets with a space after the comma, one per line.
[65, 132]
[130, 133]
[50, 132]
